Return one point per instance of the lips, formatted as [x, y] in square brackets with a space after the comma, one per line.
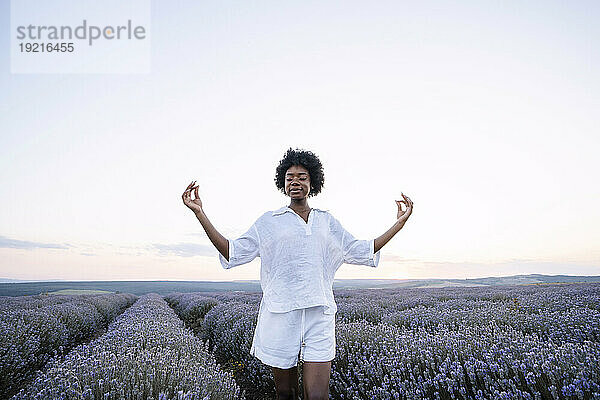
[295, 190]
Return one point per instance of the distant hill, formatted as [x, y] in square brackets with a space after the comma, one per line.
[9, 280]
[166, 287]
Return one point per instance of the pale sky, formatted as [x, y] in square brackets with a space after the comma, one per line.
[484, 113]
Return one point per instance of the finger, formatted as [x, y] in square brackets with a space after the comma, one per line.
[189, 189]
[196, 192]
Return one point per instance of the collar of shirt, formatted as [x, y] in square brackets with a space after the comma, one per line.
[287, 208]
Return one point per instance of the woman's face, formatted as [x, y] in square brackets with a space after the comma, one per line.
[297, 182]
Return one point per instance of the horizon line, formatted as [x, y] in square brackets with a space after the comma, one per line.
[16, 280]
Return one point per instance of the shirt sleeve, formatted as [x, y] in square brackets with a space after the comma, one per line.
[243, 249]
[360, 252]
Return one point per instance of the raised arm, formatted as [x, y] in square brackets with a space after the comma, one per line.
[218, 240]
[402, 217]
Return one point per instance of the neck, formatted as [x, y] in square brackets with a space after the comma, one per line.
[299, 205]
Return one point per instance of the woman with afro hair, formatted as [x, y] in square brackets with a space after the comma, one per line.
[300, 249]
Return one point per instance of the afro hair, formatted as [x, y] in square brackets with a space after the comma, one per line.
[308, 160]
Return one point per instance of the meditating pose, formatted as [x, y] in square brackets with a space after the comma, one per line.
[300, 249]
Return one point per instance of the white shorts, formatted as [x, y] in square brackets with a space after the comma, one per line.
[278, 337]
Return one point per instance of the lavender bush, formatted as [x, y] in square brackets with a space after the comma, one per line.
[11, 303]
[229, 329]
[191, 308]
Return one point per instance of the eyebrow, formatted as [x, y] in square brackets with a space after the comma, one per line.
[300, 173]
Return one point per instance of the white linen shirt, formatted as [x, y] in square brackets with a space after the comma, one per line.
[299, 259]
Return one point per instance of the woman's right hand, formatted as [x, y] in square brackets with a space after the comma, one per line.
[193, 204]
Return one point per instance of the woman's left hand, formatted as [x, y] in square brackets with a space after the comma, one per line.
[404, 214]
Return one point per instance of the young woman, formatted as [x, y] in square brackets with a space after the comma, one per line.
[300, 249]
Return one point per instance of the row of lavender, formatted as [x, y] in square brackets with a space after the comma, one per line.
[34, 329]
[526, 342]
[147, 353]
[561, 313]
[226, 321]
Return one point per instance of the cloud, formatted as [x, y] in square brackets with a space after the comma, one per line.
[185, 249]
[27, 245]
[196, 234]
[399, 259]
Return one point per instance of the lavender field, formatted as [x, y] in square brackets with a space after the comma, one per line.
[510, 342]
[147, 353]
[35, 329]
